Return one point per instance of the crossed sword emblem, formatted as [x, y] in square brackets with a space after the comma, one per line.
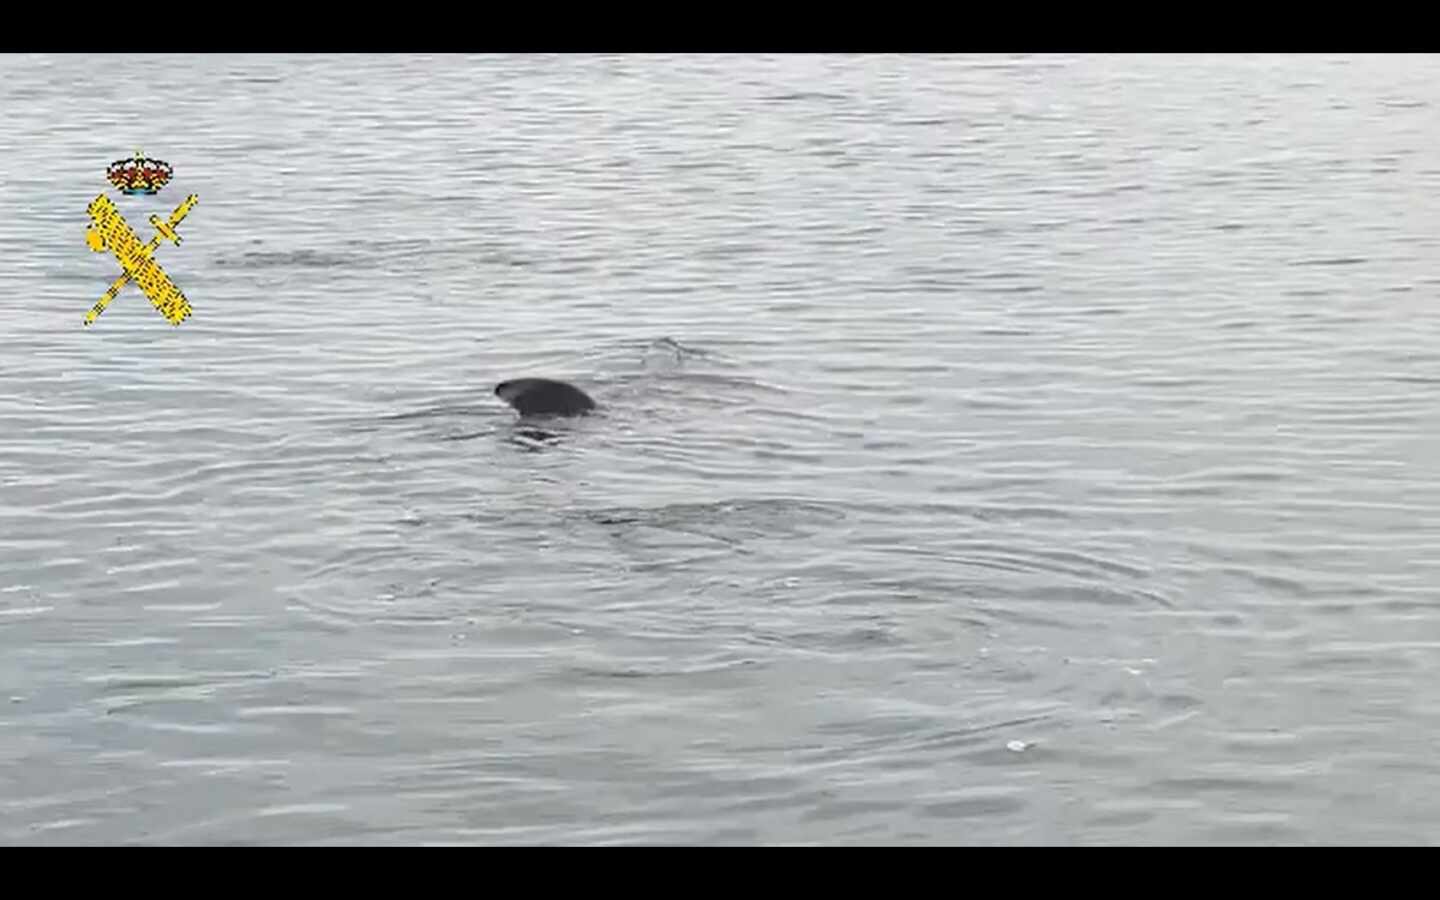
[112, 232]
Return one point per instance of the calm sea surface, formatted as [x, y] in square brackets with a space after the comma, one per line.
[993, 450]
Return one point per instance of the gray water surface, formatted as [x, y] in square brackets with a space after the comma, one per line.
[993, 450]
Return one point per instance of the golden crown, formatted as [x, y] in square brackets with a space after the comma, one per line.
[140, 175]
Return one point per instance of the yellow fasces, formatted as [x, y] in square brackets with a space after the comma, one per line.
[111, 231]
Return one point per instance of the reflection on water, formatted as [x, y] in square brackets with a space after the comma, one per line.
[994, 450]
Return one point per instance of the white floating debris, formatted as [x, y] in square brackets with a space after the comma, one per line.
[1016, 746]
